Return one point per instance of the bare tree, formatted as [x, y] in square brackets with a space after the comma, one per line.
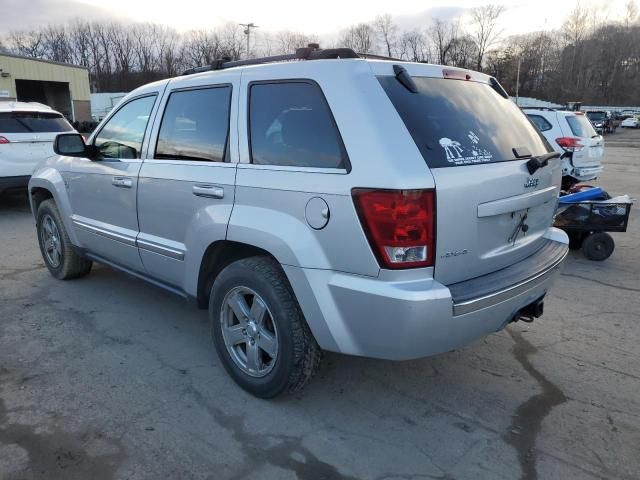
[387, 31]
[443, 34]
[28, 43]
[412, 46]
[359, 37]
[630, 13]
[592, 58]
[463, 52]
[287, 41]
[486, 32]
[576, 25]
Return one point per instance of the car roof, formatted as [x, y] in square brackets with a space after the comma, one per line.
[13, 106]
[378, 66]
[301, 69]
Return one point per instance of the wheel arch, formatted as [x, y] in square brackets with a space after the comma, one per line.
[216, 257]
[48, 183]
[221, 253]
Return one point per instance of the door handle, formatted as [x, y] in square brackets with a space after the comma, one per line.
[122, 182]
[208, 191]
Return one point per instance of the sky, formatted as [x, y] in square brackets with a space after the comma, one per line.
[322, 18]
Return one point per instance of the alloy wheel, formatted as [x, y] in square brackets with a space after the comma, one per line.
[249, 332]
[51, 242]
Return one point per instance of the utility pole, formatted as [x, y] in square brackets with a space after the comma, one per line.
[518, 80]
[247, 32]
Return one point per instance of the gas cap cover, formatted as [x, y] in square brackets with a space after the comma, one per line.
[317, 213]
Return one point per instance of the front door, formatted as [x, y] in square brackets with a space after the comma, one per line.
[186, 186]
[104, 190]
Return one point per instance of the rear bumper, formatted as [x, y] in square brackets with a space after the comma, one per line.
[10, 183]
[401, 320]
[587, 173]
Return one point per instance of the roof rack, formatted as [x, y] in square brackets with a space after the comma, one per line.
[310, 52]
[530, 107]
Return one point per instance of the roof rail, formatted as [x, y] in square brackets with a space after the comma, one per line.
[530, 107]
[379, 57]
[310, 52]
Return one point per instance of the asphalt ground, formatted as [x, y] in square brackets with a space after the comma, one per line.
[110, 378]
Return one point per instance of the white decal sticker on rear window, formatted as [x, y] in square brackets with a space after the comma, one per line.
[465, 155]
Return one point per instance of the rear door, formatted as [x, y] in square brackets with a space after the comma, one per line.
[28, 139]
[186, 185]
[491, 212]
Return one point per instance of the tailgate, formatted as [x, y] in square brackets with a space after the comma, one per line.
[491, 216]
[491, 212]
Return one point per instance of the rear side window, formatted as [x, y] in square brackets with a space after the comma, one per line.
[195, 125]
[540, 122]
[290, 124]
[33, 122]
[580, 126]
[458, 122]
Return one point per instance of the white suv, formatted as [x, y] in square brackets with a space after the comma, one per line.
[572, 135]
[27, 132]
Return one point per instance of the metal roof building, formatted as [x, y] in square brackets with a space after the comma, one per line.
[62, 86]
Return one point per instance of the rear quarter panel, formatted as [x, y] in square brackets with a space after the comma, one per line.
[269, 209]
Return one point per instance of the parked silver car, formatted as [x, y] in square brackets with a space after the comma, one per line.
[378, 208]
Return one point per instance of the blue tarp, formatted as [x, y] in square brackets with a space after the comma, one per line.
[583, 196]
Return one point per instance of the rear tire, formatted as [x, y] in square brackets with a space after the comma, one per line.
[258, 329]
[598, 246]
[56, 247]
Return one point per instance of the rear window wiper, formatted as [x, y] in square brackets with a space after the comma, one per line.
[540, 161]
[404, 78]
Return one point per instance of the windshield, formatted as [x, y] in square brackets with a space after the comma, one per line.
[33, 122]
[456, 123]
[580, 126]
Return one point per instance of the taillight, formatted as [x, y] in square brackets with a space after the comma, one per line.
[400, 225]
[570, 144]
[3, 140]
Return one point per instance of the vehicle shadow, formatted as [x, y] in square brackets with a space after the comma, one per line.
[14, 202]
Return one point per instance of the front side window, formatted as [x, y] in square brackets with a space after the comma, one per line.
[33, 122]
[122, 135]
[195, 125]
[540, 122]
[290, 124]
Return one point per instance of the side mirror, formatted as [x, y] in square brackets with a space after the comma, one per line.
[71, 145]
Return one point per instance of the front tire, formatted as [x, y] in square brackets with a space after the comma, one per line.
[56, 247]
[258, 329]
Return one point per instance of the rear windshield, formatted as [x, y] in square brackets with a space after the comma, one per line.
[33, 122]
[580, 126]
[456, 122]
[596, 115]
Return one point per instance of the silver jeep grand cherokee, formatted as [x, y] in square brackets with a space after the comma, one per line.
[377, 208]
